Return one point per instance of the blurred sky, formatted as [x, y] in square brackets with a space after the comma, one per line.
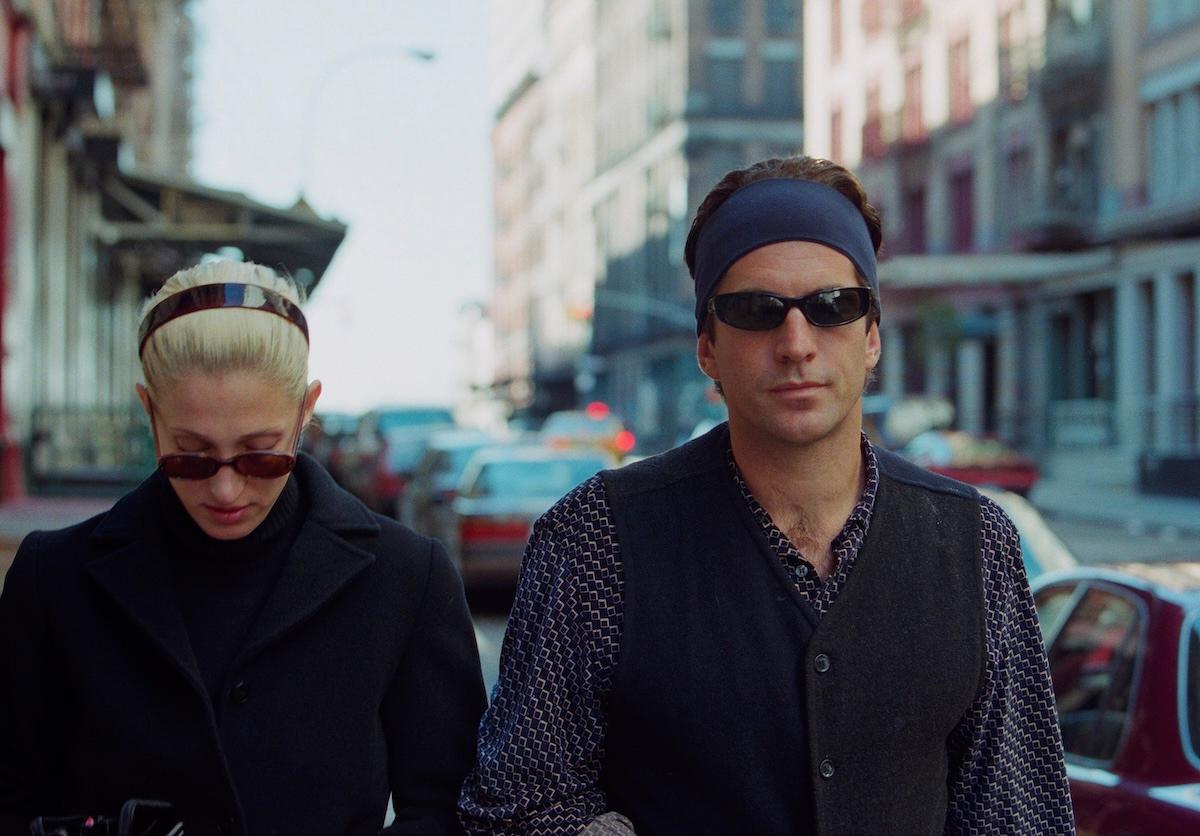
[399, 151]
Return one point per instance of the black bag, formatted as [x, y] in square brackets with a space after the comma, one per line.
[138, 817]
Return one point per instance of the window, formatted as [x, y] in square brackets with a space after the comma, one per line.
[835, 135]
[914, 225]
[1053, 606]
[835, 29]
[1014, 58]
[781, 17]
[781, 86]
[872, 17]
[1166, 15]
[1092, 659]
[960, 81]
[913, 121]
[1190, 664]
[1018, 185]
[872, 139]
[725, 15]
[725, 84]
[962, 205]
[1171, 123]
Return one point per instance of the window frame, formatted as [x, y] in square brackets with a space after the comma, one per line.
[1191, 621]
[1083, 587]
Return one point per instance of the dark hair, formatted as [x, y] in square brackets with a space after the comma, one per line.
[815, 169]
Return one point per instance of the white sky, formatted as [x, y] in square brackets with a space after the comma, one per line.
[399, 151]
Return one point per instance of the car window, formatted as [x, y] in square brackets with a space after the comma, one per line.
[1053, 604]
[1192, 686]
[1092, 665]
[533, 478]
[413, 418]
[580, 424]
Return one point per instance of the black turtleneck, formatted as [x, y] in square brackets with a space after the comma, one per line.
[222, 585]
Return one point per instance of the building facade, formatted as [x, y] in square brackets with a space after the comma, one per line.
[637, 109]
[95, 126]
[1034, 161]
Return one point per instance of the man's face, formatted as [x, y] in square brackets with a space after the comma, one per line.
[796, 384]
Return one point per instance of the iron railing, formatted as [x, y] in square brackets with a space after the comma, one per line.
[88, 449]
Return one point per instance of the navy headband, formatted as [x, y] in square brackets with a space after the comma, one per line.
[209, 296]
[769, 211]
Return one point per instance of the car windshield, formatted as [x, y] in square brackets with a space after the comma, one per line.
[400, 418]
[536, 478]
[580, 424]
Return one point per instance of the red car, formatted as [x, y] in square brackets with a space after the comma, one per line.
[1124, 649]
[501, 493]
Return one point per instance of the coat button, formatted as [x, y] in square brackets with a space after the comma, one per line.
[240, 693]
[821, 663]
[826, 769]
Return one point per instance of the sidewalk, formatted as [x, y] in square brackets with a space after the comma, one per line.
[21, 516]
[1125, 508]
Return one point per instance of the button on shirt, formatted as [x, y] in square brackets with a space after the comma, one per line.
[541, 740]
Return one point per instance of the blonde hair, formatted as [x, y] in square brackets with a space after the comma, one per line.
[220, 340]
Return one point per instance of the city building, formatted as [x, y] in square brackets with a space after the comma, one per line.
[95, 126]
[626, 116]
[1034, 162]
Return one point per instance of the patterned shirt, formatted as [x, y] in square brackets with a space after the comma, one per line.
[541, 743]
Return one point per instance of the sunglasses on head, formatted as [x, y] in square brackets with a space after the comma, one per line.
[754, 310]
[261, 464]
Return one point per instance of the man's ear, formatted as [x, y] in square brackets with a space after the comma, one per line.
[874, 346]
[706, 357]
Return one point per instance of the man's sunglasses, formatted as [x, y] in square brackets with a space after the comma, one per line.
[758, 311]
[261, 464]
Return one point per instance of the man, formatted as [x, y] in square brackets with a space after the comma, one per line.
[775, 628]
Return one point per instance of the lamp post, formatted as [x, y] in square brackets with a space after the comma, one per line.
[330, 71]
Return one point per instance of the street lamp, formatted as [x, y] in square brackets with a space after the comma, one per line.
[330, 71]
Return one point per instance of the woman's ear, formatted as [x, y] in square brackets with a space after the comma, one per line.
[310, 400]
[144, 397]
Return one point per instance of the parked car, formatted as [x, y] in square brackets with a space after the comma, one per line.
[977, 461]
[385, 451]
[502, 492]
[425, 504]
[594, 427]
[327, 438]
[1124, 649]
[1041, 549]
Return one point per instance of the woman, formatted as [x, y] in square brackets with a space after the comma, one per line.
[237, 636]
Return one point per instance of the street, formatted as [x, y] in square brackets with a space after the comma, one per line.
[1089, 542]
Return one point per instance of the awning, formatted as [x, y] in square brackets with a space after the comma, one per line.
[156, 223]
[919, 272]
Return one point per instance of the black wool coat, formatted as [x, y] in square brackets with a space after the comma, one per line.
[360, 677]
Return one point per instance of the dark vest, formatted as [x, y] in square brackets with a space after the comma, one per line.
[733, 709]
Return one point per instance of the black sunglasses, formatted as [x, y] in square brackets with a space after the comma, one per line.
[758, 311]
[261, 464]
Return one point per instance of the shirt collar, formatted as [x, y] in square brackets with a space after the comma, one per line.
[860, 517]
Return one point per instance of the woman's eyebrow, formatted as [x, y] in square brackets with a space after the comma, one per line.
[242, 438]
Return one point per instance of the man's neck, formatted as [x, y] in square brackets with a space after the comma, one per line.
[809, 490]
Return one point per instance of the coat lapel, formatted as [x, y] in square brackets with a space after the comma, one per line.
[322, 560]
[141, 586]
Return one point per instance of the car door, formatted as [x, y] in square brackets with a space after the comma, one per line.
[1095, 635]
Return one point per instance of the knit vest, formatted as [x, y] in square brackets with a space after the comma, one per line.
[734, 709]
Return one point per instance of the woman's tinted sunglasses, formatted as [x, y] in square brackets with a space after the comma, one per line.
[759, 311]
[261, 464]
